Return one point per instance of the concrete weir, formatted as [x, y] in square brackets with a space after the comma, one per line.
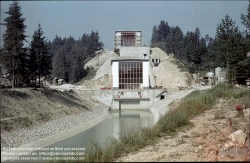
[148, 99]
[59, 136]
[144, 99]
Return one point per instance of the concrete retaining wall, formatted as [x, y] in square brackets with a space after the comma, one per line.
[135, 51]
[135, 104]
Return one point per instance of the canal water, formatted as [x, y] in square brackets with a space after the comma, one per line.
[115, 124]
[118, 122]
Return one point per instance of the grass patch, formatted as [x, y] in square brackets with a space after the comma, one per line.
[186, 136]
[71, 96]
[239, 114]
[222, 140]
[168, 124]
[43, 117]
[18, 95]
[91, 72]
[218, 115]
[181, 66]
[180, 141]
[22, 121]
[175, 154]
[65, 98]
[202, 73]
[6, 125]
[195, 134]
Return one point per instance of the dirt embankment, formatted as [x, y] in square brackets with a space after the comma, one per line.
[24, 108]
[167, 73]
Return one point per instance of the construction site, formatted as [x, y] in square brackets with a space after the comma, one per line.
[136, 74]
[133, 86]
[161, 69]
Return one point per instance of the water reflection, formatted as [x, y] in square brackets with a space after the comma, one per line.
[118, 122]
[127, 120]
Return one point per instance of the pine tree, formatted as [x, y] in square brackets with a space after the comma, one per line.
[207, 39]
[61, 64]
[154, 35]
[40, 61]
[230, 45]
[94, 44]
[76, 66]
[161, 31]
[167, 28]
[245, 20]
[177, 37]
[14, 56]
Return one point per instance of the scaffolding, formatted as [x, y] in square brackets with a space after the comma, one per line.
[128, 38]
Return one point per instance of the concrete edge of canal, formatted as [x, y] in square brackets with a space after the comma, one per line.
[57, 137]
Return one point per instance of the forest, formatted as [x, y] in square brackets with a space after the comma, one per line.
[62, 58]
[65, 57]
[69, 55]
[228, 49]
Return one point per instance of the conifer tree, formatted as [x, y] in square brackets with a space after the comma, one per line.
[13, 55]
[154, 35]
[245, 20]
[40, 61]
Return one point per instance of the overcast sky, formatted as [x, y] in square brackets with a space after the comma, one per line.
[74, 18]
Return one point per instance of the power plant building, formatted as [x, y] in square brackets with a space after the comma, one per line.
[130, 70]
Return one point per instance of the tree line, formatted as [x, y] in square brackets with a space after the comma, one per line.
[62, 58]
[70, 55]
[227, 49]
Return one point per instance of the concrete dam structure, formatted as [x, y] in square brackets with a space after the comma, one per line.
[131, 72]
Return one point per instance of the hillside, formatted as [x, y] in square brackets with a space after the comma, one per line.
[167, 74]
[207, 139]
[39, 113]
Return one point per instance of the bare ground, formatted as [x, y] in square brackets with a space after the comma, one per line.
[24, 108]
[204, 140]
[167, 73]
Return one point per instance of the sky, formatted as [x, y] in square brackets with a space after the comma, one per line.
[74, 18]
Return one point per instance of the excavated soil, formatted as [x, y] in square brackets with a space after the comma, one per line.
[167, 73]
